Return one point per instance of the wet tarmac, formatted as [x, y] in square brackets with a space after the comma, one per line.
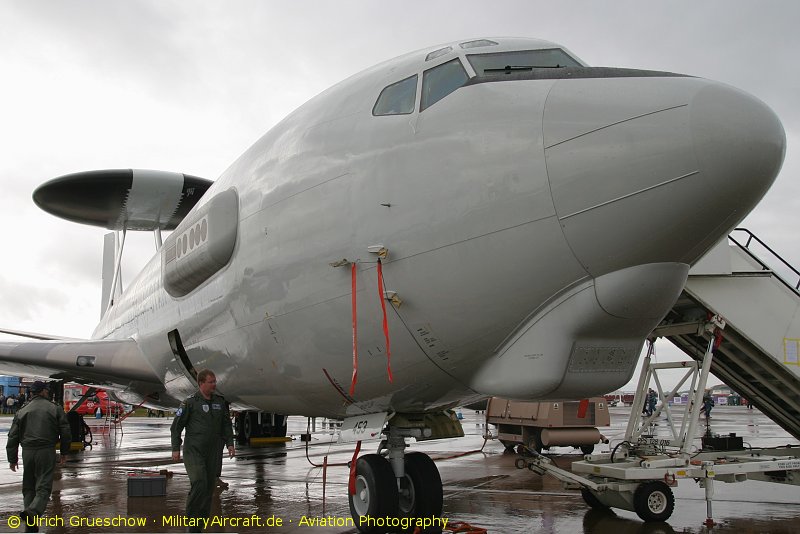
[278, 486]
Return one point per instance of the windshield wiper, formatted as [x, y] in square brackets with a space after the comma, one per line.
[508, 69]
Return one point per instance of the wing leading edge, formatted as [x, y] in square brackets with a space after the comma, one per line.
[116, 364]
[34, 335]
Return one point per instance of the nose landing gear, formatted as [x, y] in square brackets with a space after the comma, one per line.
[383, 502]
[397, 491]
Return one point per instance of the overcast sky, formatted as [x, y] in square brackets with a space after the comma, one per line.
[188, 85]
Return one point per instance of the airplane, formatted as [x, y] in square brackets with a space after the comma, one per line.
[488, 217]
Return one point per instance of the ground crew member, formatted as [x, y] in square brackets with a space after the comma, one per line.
[708, 403]
[37, 426]
[205, 417]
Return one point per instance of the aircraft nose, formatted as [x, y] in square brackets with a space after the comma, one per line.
[650, 170]
[738, 141]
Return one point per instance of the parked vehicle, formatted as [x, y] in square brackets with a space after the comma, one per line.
[100, 399]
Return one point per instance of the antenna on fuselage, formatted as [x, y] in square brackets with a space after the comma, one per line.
[113, 246]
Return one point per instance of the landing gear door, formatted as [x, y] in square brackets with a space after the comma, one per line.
[362, 428]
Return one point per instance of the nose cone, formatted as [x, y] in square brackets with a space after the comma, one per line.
[649, 170]
[739, 144]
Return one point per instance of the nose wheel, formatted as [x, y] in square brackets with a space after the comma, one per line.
[420, 489]
[380, 494]
[376, 493]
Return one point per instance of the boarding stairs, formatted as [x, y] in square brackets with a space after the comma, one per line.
[758, 295]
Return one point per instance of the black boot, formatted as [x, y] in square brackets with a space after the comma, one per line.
[24, 517]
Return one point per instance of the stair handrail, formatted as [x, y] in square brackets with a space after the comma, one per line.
[746, 247]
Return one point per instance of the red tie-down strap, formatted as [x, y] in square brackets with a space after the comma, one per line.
[351, 483]
[355, 331]
[385, 321]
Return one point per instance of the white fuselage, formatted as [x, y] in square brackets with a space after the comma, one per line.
[501, 206]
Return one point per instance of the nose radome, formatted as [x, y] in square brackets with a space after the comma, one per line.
[651, 170]
[739, 143]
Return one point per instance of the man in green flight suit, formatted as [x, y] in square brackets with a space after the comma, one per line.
[205, 417]
[37, 426]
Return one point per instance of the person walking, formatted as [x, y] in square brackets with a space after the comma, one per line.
[37, 426]
[205, 417]
[652, 400]
[708, 403]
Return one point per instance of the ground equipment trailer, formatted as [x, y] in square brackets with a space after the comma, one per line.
[540, 425]
[639, 472]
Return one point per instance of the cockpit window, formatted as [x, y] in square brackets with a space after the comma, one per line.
[439, 53]
[477, 43]
[507, 62]
[440, 81]
[398, 98]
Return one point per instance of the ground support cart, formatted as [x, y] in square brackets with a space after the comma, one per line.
[639, 472]
[540, 425]
[643, 485]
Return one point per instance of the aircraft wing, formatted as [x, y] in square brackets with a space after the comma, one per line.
[33, 335]
[115, 364]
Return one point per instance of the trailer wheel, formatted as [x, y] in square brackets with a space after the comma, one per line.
[653, 501]
[509, 445]
[587, 449]
[592, 500]
[535, 443]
